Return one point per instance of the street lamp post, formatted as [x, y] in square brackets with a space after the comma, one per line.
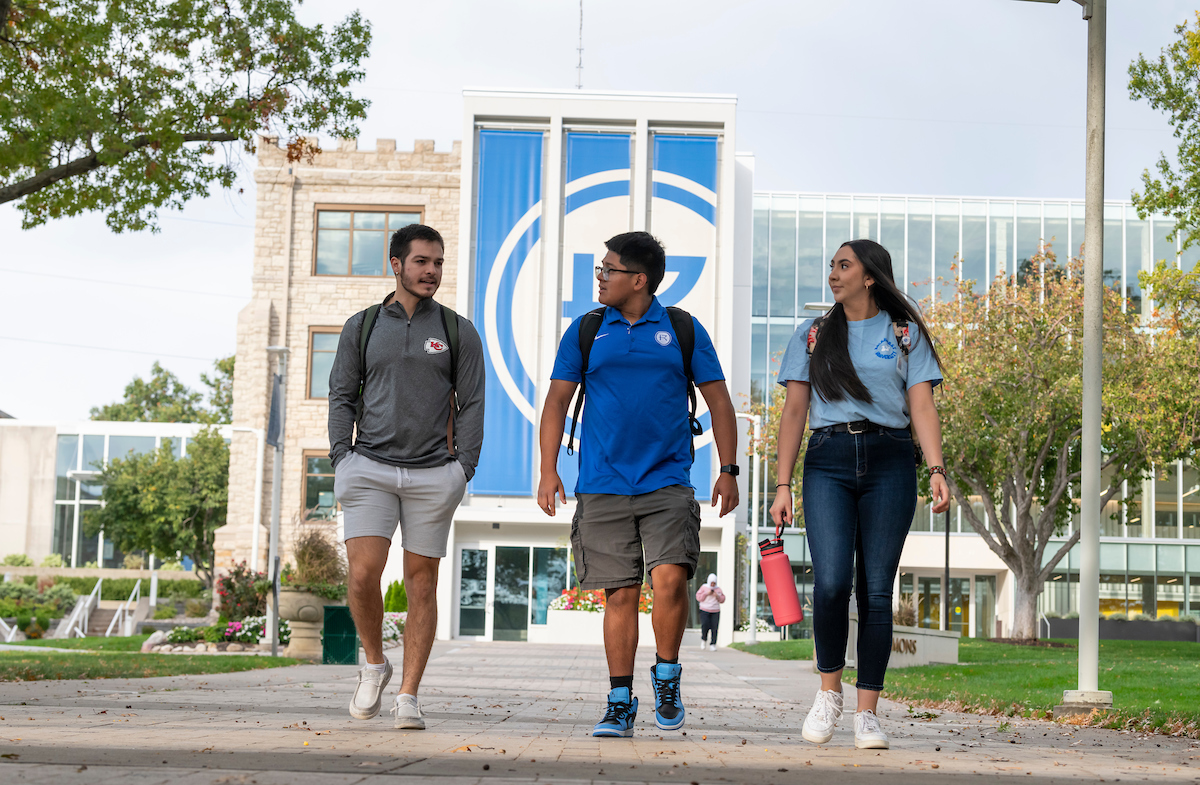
[755, 511]
[1089, 696]
[275, 437]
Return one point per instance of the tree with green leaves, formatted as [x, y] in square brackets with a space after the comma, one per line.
[165, 505]
[166, 399]
[1012, 422]
[122, 106]
[1171, 83]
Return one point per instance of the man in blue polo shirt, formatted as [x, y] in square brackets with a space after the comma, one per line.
[636, 509]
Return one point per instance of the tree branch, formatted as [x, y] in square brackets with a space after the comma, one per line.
[89, 163]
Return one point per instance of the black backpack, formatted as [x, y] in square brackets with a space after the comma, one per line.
[685, 332]
[449, 324]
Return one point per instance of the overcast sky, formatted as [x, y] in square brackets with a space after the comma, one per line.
[945, 97]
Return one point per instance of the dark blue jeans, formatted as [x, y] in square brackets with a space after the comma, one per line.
[860, 492]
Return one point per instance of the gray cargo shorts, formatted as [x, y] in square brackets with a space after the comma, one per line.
[376, 496]
[610, 533]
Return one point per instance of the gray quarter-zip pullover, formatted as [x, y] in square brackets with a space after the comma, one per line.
[406, 393]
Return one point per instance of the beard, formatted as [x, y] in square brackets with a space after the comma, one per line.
[410, 281]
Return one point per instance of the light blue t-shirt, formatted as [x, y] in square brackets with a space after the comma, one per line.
[880, 365]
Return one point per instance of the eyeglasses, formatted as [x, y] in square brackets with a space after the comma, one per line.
[605, 272]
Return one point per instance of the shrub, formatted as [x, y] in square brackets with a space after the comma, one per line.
[17, 590]
[1072, 615]
[1142, 617]
[17, 560]
[196, 609]
[1117, 617]
[134, 561]
[60, 595]
[185, 634]
[318, 558]
[213, 634]
[905, 614]
[164, 612]
[148, 630]
[1052, 615]
[170, 566]
[237, 593]
[43, 621]
[29, 580]
[53, 560]
[396, 600]
[91, 565]
[24, 619]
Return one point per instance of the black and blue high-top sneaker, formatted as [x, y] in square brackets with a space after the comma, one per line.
[619, 716]
[668, 706]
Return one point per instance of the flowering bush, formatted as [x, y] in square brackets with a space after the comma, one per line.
[255, 627]
[238, 597]
[185, 634]
[248, 630]
[393, 626]
[593, 600]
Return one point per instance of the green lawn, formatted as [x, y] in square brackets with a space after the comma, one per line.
[38, 666]
[1155, 685]
[132, 643]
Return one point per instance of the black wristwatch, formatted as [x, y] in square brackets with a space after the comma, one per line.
[730, 468]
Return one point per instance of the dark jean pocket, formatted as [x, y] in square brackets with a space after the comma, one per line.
[817, 439]
[897, 435]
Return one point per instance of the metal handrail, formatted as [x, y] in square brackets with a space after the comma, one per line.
[8, 633]
[125, 613]
[71, 626]
[1043, 614]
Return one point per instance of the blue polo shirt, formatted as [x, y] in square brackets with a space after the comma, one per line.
[635, 437]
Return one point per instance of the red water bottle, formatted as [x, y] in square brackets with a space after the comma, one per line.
[781, 586]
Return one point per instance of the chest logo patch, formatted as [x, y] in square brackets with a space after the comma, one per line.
[435, 346]
[663, 337]
[885, 350]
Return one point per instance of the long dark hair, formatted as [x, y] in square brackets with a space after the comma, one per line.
[830, 368]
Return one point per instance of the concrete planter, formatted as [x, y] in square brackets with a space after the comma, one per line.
[1137, 630]
[581, 627]
[305, 614]
[740, 636]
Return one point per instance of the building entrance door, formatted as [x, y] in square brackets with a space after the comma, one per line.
[511, 604]
[502, 589]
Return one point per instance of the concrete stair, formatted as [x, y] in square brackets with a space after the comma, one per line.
[99, 620]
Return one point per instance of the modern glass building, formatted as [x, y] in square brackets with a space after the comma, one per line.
[1149, 563]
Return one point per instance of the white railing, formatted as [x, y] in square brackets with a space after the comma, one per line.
[1047, 623]
[7, 633]
[76, 624]
[124, 615]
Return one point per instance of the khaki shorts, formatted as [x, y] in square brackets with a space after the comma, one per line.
[610, 533]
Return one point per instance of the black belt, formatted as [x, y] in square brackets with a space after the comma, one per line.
[858, 426]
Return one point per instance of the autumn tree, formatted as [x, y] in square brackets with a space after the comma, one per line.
[1171, 83]
[165, 505]
[1012, 421]
[129, 106]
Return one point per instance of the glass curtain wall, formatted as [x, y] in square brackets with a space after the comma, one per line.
[1135, 578]
[795, 235]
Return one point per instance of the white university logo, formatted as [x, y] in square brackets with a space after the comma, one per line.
[663, 337]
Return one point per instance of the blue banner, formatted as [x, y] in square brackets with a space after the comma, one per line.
[507, 231]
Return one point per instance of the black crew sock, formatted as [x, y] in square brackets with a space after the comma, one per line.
[670, 662]
[620, 681]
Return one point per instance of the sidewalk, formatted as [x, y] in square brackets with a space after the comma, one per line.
[518, 712]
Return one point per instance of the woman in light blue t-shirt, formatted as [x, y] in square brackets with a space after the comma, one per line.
[872, 378]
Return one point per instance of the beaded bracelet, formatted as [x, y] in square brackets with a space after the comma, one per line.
[937, 470]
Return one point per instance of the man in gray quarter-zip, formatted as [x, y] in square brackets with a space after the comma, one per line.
[414, 453]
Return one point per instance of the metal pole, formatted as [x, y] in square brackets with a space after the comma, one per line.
[276, 494]
[946, 579]
[1093, 336]
[755, 511]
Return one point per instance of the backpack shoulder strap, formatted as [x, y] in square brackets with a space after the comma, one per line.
[589, 325]
[450, 325]
[685, 333]
[813, 331]
[370, 316]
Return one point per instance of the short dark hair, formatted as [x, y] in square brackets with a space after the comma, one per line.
[403, 237]
[641, 251]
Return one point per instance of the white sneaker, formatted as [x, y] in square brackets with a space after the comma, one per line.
[824, 714]
[712, 647]
[368, 695]
[408, 713]
[868, 735]
[703, 645]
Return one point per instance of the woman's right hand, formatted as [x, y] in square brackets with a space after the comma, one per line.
[781, 509]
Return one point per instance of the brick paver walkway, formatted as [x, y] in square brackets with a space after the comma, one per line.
[516, 712]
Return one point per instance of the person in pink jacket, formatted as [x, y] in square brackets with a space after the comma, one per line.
[710, 598]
